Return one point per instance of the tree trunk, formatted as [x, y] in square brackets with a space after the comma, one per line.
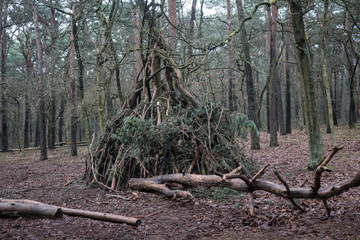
[190, 39]
[80, 76]
[37, 128]
[172, 30]
[61, 119]
[273, 79]
[267, 46]
[26, 122]
[287, 78]
[333, 94]
[54, 59]
[41, 82]
[255, 138]
[230, 62]
[73, 110]
[191, 28]
[325, 70]
[341, 89]
[113, 54]
[4, 123]
[279, 103]
[307, 86]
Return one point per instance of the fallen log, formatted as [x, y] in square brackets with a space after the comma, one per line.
[17, 208]
[159, 184]
[242, 183]
[101, 216]
[27, 208]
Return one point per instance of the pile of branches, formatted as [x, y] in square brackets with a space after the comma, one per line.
[151, 140]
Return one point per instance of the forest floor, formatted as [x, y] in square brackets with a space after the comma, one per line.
[212, 214]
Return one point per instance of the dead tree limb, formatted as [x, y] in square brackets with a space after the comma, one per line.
[158, 184]
[288, 191]
[195, 180]
[24, 207]
[17, 208]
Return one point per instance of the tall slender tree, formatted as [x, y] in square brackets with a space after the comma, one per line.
[273, 79]
[3, 37]
[73, 107]
[173, 24]
[230, 62]
[255, 138]
[41, 84]
[326, 71]
[287, 77]
[307, 85]
[80, 70]
[26, 50]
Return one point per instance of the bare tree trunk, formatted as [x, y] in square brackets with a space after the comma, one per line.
[191, 38]
[267, 36]
[273, 81]
[54, 58]
[351, 72]
[279, 103]
[192, 26]
[255, 138]
[73, 111]
[27, 53]
[325, 70]
[80, 76]
[37, 128]
[61, 119]
[340, 98]
[230, 61]
[41, 81]
[307, 86]
[4, 125]
[333, 92]
[287, 78]
[137, 71]
[173, 30]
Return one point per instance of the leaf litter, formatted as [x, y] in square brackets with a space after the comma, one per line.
[213, 214]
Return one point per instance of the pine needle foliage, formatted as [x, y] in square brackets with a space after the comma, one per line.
[197, 140]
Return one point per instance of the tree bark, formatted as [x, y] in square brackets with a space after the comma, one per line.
[273, 79]
[24, 207]
[26, 51]
[240, 182]
[307, 86]
[351, 74]
[54, 59]
[41, 82]
[192, 27]
[267, 46]
[230, 62]
[73, 107]
[138, 58]
[80, 75]
[255, 138]
[325, 70]
[172, 18]
[61, 119]
[4, 123]
[287, 77]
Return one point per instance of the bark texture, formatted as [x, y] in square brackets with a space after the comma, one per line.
[307, 86]
[255, 138]
[41, 84]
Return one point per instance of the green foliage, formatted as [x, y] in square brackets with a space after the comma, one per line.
[205, 139]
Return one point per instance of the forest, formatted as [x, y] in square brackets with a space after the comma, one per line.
[192, 104]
